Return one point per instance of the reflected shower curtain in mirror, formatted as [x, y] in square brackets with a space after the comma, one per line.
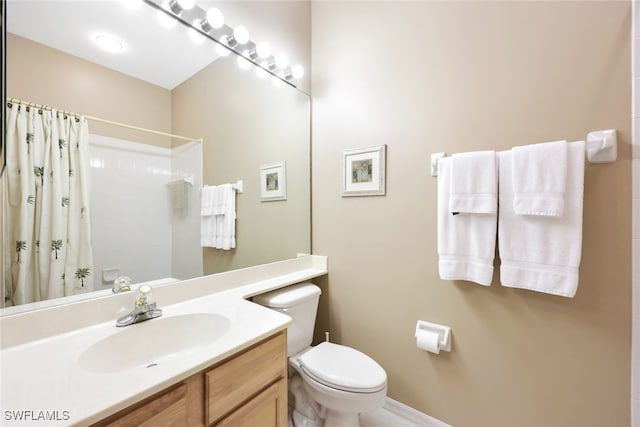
[46, 197]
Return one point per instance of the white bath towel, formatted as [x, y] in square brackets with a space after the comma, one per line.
[226, 222]
[474, 183]
[206, 200]
[539, 178]
[221, 196]
[466, 243]
[542, 253]
[218, 230]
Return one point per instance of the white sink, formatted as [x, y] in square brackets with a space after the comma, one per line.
[153, 342]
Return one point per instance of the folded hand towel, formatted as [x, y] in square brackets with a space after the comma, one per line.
[179, 194]
[221, 196]
[217, 229]
[474, 183]
[206, 200]
[466, 243]
[542, 253]
[226, 221]
[539, 178]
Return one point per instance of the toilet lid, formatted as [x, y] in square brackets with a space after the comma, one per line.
[343, 368]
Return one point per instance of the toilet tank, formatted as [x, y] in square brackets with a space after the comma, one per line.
[300, 302]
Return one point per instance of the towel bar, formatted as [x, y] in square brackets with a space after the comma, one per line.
[238, 186]
[601, 147]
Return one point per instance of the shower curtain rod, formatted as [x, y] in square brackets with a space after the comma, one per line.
[109, 122]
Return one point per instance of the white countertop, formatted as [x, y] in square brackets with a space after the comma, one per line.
[41, 376]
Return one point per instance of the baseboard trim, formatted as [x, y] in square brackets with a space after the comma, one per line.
[412, 415]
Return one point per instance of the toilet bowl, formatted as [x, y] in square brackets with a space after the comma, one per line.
[340, 382]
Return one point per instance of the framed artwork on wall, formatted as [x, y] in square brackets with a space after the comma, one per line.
[363, 171]
[273, 182]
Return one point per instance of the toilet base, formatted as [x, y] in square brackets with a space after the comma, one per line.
[300, 420]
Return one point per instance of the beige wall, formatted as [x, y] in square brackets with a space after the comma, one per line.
[42, 75]
[247, 122]
[425, 77]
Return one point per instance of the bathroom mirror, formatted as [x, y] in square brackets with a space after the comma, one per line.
[245, 121]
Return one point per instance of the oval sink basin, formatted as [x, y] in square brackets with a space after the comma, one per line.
[150, 343]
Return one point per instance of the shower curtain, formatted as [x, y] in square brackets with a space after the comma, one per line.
[46, 196]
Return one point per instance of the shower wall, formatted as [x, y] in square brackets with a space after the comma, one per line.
[187, 261]
[134, 232]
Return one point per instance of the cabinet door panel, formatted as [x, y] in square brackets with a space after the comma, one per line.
[267, 409]
[234, 382]
[168, 409]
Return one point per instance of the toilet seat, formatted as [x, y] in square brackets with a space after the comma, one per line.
[343, 368]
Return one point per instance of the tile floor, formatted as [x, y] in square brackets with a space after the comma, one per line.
[384, 418]
[379, 418]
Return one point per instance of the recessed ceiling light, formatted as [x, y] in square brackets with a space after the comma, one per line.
[109, 43]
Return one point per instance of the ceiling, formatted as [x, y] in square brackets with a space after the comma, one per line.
[153, 53]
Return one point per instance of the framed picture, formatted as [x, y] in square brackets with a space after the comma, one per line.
[363, 171]
[273, 182]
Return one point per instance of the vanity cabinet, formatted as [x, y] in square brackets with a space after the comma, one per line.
[247, 389]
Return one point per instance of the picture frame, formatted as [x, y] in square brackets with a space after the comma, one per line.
[363, 171]
[273, 182]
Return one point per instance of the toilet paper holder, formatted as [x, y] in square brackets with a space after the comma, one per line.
[444, 333]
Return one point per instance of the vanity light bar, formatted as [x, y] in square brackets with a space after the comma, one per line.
[231, 39]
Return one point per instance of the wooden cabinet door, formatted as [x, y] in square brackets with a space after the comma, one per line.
[235, 381]
[168, 409]
[179, 406]
[267, 409]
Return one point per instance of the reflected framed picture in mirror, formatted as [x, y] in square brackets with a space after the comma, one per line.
[363, 171]
[273, 182]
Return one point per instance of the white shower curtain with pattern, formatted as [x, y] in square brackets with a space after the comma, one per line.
[46, 198]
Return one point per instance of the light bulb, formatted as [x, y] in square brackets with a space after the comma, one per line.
[241, 34]
[243, 63]
[297, 72]
[215, 18]
[263, 50]
[220, 48]
[281, 61]
[186, 4]
[195, 35]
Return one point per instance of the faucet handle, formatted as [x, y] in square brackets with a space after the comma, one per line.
[144, 296]
[121, 284]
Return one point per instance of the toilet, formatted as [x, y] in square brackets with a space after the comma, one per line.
[331, 383]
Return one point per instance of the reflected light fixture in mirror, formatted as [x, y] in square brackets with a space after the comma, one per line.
[177, 6]
[213, 19]
[109, 43]
[263, 50]
[240, 36]
[211, 24]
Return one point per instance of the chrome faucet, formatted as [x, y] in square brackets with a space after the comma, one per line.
[144, 309]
